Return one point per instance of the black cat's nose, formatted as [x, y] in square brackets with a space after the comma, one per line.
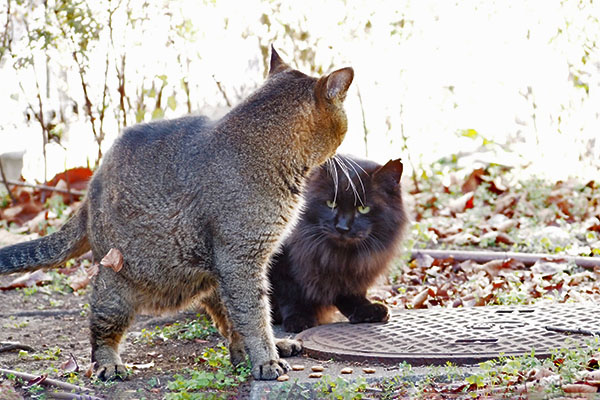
[342, 226]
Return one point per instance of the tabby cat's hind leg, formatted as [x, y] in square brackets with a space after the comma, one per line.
[217, 311]
[111, 314]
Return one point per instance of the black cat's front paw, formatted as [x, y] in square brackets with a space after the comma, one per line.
[373, 312]
[297, 323]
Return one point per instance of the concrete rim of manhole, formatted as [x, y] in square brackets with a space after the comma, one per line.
[459, 335]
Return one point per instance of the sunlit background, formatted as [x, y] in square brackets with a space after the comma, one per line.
[514, 83]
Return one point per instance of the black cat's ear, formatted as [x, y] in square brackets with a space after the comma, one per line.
[390, 173]
[277, 65]
[337, 83]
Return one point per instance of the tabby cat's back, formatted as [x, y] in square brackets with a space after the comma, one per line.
[196, 208]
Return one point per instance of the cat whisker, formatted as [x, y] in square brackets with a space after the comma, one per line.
[341, 162]
[332, 169]
[353, 164]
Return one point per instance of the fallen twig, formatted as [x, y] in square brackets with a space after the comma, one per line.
[577, 331]
[49, 188]
[53, 382]
[40, 313]
[73, 396]
[525, 258]
[8, 346]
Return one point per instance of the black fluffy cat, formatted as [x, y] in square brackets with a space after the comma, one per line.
[345, 238]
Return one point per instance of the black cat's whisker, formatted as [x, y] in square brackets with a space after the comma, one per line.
[376, 243]
[332, 170]
[344, 168]
[351, 161]
[352, 164]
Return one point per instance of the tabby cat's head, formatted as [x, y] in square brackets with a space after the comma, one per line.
[355, 203]
[318, 100]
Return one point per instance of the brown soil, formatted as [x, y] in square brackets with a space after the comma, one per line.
[47, 320]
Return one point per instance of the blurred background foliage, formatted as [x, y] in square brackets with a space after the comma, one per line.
[515, 84]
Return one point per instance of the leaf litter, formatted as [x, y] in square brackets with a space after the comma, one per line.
[487, 208]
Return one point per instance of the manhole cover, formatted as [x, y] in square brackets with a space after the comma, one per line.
[459, 335]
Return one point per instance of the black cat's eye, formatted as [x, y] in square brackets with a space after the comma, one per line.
[331, 204]
[363, 209]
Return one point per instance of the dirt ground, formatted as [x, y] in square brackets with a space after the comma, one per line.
[55, 326]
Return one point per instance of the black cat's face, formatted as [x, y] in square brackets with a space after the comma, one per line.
[344, 218]
[353, 214]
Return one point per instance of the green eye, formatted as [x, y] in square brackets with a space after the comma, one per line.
[331, 204]
[363, 209]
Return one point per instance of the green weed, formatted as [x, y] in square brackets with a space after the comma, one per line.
[199, 328]
[218, 379]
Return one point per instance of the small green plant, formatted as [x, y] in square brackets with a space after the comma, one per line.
[52, 353]
[35, 391]
[21, 324]
[28, 291]
[199, 328]
[217, 381]
[56, 205]
[328, 388]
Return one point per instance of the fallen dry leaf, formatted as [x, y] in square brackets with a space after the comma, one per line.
[592, 375]
[70, 365]
[141, 366]
[420, 299]
[579, 388]
[90, 370]
[29, 279]
[83, 278]
[22, 212]
[473, 181]
[37, 380]
[462, 203]
[113, 259]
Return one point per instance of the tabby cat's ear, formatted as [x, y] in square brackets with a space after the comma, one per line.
[390, 173]
[337, 84]
[277, 64]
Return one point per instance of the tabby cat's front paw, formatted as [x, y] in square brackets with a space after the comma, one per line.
[288, 347]
[270, 370]
[112, 372]
[297, 323]
[373, 312]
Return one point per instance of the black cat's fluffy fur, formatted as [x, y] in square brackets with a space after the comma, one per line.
[337, 251]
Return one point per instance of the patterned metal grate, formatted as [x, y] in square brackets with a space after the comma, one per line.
[460, 335]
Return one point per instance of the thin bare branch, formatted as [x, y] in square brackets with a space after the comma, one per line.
[49, 188]
[572, 331]
[79, 392]
[364, 121]
[223, 92]
[525, 258]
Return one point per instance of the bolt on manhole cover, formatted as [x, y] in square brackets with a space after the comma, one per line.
[458, 335]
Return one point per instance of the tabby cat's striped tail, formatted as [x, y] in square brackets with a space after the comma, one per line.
[68, 242]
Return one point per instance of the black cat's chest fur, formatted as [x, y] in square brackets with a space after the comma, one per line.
[345, 239]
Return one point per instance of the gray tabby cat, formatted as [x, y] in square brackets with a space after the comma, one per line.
[197, 207]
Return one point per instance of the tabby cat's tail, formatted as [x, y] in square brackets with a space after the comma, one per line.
[68, 242]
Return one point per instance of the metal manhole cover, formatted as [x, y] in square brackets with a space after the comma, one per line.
[458, 335]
